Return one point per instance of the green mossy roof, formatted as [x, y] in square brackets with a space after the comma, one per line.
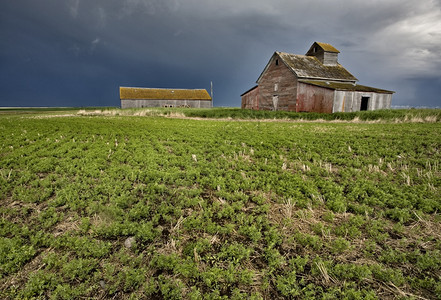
[327, 47]
[130, 93]
[311, 68]
[344, 86]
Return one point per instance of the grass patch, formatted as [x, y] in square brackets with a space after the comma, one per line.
[393, 115]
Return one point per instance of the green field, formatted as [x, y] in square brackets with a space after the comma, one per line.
[131, 204]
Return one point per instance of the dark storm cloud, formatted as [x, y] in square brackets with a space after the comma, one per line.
[77, 52]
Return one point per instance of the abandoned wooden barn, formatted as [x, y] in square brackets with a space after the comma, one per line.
[314, 82]
[147, 97]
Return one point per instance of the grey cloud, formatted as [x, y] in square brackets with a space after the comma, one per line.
[73, 7]
[150, 7]
[172, 43]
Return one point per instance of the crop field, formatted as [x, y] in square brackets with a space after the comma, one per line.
[151, 207]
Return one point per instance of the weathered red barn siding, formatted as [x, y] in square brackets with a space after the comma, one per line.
[314, 82]
[314, 99]
[277, 80]
[349, 101]
[250, 99]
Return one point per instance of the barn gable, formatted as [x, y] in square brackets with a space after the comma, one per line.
[277, 86]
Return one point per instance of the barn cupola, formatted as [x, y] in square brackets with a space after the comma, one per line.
[325, 53]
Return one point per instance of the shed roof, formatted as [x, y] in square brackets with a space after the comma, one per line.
[309, 67]
[133, 93]
[345, 86]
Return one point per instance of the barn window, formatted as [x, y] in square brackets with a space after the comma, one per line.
[276, 87]
[277, 62]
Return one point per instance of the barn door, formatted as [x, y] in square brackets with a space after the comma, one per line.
[364, 103]
[275, 102]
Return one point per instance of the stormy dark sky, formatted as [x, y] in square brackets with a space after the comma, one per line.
[78, 52]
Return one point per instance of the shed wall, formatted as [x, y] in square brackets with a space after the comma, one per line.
[349, 101]
[312, 98]
[165, 102]
[280, 82]
[250, 100]
[330, 58]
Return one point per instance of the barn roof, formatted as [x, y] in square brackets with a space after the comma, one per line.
[325, 46]
[345, 86]
[133, 93]
[309, 67]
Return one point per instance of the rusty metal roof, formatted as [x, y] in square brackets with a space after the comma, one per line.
[133, 93]
[345, 86]
[309, 67]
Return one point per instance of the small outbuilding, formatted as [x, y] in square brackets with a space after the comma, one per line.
[314, 82]
[132, 97]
